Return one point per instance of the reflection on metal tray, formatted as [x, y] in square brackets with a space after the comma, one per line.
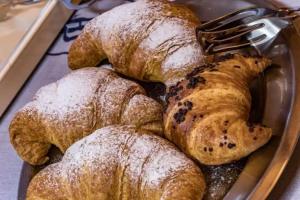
[275, 101]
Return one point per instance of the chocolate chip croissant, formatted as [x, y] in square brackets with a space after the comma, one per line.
[207, 114]
[120, 162]
[65, 111]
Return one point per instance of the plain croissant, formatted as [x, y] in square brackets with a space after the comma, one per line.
[120, 163]
[155, 40]
[85, 100]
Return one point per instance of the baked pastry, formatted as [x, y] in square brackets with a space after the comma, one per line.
[148, 40]
[75, 106]
[120, 162]
[207, 114]
[155, 40]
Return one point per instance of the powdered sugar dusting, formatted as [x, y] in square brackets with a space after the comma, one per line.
[182, 61]
[167, 30]
[118, 153]
[67, 95]
[148, 35]
[220, 179]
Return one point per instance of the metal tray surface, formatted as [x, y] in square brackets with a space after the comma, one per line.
[276, 100]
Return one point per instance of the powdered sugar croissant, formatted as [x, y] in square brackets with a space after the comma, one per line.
[120, 162]
[149, 40]
[75, 106]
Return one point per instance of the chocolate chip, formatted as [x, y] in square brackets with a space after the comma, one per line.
[226, 122]
[194, 117]
[236, 66]
[256, 62]
[255, 138]
[180, 115]
[221, 144]
[179, 104]
[195, 72]
[173, 91]
[194, 81]
[205, 149]
[224, 131]
[188, 104]
[201, 116]
[210, 149]
[183, 111]
[225, 137]
[231, 145]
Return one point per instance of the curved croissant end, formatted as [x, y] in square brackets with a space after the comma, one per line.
[84, 53]
[50, 185]
[73, 107]
[120, 162]
[27, 137]
[208, 112]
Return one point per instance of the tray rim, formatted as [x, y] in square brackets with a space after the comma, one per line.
[291, 133]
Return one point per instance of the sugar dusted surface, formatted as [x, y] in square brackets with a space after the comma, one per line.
[146, 160]
[67, 95]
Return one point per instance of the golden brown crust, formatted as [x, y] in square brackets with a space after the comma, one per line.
[84, 46]
[147, 40]
[73, 107]
[120, 162]
[208, 112]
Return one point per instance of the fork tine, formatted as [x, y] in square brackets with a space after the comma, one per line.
[206, 39]
[213, 48]
[232, 36]
[216, 23]
[241, 29]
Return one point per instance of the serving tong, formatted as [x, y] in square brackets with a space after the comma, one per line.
[250, 27]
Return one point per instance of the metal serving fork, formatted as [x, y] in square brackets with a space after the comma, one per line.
[257, 27]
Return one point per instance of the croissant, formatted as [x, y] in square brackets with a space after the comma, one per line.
[155, 40]
[207, 113]
[75, 106]
[147, 40]
[120, 162]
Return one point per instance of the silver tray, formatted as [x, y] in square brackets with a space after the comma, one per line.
[279, 90]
